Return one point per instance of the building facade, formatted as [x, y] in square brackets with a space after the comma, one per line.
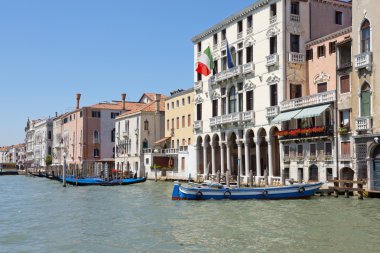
[234, 107]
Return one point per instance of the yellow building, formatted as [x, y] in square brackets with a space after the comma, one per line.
[179, 120]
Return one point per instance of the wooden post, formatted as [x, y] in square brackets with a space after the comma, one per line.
[155, 173]
[218, 176]
[336, 186]
[250, 178]
[360, 192]
[228, 178]
[64, 172]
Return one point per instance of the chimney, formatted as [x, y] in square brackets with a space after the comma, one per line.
[56, 114]
[123, 96]
[78, 100]
[158, 98]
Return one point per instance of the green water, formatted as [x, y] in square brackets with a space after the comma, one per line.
[38, 215]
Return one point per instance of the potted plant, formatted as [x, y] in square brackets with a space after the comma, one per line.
[343, 130]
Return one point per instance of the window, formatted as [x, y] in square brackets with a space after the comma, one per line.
[113, 135]
[338, 18]
[95, 114]
[240, 26]
[65, 120]
[172, 124]
[215, 108]
[328, 148]
[188, 100]
[295, 8]
[365, 34]
[345, 84]
[172, 105]
[183, 101]
[49, 135]
[189, 141]
[329, 174]
[313, 149]
[215, 39]
[273, 45]
[240, 57]
[294, 43]
[81, 114]
[224, 106]
[232, 100]
[96, 136]
[309, 54]
[249, 21]
[147, 161]
[49, 150]
[365, 100]
[145, 143]
[96, 153]
[286, 173]
[223, 91]
[299, 150]
[224, 63]
[146, 125]
[199, 111]
[167, 106]
[183, 163]
[167, 125]
[223, 34]
[345, 149]
[177, 103]
[273, 95]
[183, 121]
[114, 115]
[332, 47]
[249, 54]
[249, 100]
[344, 117]
[189, 120]
[240, 102]
[273, 10]
[322, 87]
[177, 122]
[240, 86]
[321, 51]
[215, 69]
[199, 47]
[286, 150]
[295, 91]
[199, 78]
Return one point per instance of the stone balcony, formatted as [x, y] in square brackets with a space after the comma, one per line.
[198, 86]
[239, 35]
[229, 73]
[248, 68]
[320, 98]
[297, 58]
[272, 111]
[363, 60]
[272, 59]
[249, 30]
[234, 72]
[295, 18]
[232, 118]
[198, 125]
[272, 20]
[363, 123]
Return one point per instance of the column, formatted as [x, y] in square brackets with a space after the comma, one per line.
[221, 158]
[270, 156]
[246, 157]
[205, 167]
[228, 157]
[197, 156]
[258, 162]
[213, 159]
[240, 158]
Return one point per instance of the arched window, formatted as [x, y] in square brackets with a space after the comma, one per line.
[113, 135]
[96, 136]
[96, 153]
[146, 125]
[365, 100]
[232, 100]
[145, 143]
[365, 35]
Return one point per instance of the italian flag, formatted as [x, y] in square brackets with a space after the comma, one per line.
[205, 63]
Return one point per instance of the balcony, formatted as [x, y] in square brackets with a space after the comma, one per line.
[248, 116]
[272, 59]
[363, 123]
[198, 124]
[363, 60]
[226, 119]
[320, 98]
[305, 133]
[229, 73]
[272, 111]
[248, 68]
[212, 81]
[297, 58]
[198, 86]
[295, 18]
[223, 43]
[272, 20]
[249, 30]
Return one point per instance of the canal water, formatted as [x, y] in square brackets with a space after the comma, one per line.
[38, 215]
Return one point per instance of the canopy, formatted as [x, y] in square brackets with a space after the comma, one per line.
[285, 116]
[311, 112]
[162, 140]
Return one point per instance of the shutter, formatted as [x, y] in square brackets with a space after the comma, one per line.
[376, 174]
[365, 103]
[344, 84]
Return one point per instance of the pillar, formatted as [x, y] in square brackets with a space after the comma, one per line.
[221, 158]
[228, 157]
[258, 162]
[197, 157]
[240, 158]
[270, 157]
[205, 167]
[246, 157]
[213, 164]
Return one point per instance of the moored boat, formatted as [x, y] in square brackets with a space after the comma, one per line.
[219, 191]
[99, 181]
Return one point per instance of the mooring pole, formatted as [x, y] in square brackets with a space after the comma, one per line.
[155, 173]
[64, 171]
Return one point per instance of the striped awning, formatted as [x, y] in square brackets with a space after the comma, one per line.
[285, 116]
[311, 112]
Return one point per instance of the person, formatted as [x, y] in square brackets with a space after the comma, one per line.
[135, 175]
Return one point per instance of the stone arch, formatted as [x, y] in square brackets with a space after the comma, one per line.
[216, 162]
[232, 155]
[250, 160]
[207, 155]
[313, 173]
[275, 151]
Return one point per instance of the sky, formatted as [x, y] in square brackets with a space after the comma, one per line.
[51, 50]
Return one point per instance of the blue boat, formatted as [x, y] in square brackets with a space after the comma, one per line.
[123, 181]
[88, 181]
[218, 191]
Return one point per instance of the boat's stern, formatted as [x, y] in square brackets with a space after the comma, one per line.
[175, 193]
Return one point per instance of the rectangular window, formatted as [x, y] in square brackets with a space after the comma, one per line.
[299, 150]
[309, 54]
[199, 47]
[273, 10]
[96, 114]
[223, 91]
[215, 69]
[183, 121]
[183, 101]
[240, 57]
[313, 149]
[322, 87]
[114, 115]
[294, 43]
[338, 18]
[321, 51]
[273, 95]
[286, 150]
[177, 102]
[172, 123]
[273, 45]
[328, 148]
[286, 173]
[177, 122]
[240, 102]
[295, 8]
[249, 21]
[188, 100]
[224, 106]
[189, 120]
[224, 63]
[81, 114]
[189, 141]
[329, 174]
[223, 34]
[249, 54]
[332, 47]
[345, 84]
[295, 91]
[65, 120]
[199, 111]
[172, 105]
[168, 125]
[167, 106]
[215, 108]
[345, 149]
[240, 26]
[249, 100]
[240, 86]
[215, 39]
[344, 119]
[199, 78]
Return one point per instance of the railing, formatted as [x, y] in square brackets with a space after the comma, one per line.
[248, 68]
[229, 73]
[272, 59]
[272, 20]
[363, 123]
[345, 157]
[320, 98]
[294, 17]
[198, 86]
[171, 151]
[198, 124]
[226, 119]
[183, 148]
[363, 60]
[296, 57]
[249, 30]
[302, 133]
[240, 35]
[273, 111]
[248, 116]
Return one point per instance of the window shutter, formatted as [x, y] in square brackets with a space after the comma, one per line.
[344, 84]
[365, 103]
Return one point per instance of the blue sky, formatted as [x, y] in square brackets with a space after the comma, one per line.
[51, 50]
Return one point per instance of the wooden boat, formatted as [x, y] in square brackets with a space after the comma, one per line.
[218, 191]
[99, 181]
